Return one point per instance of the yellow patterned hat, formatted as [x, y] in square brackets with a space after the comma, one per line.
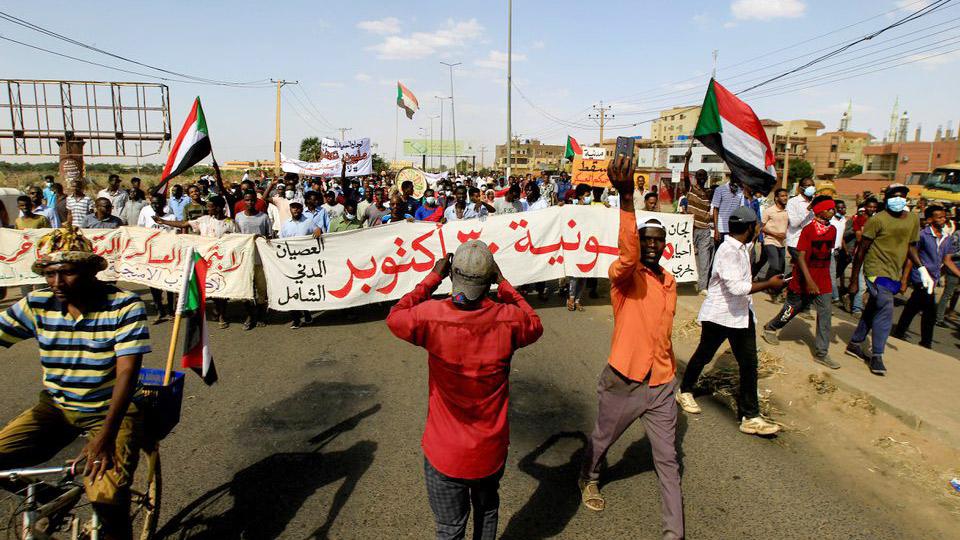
[66, 245]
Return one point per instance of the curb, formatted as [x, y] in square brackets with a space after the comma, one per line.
[910, 419]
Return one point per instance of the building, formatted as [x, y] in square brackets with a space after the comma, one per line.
[675, 123]
[898, 160]
[530, 156]
[791, 137]
[670, 157]
[610, 145]
[830, 152]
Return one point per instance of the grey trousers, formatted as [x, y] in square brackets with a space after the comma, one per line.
[621, 402]
[950, 283]
[796, 303]
[451, 500]
[703, 249]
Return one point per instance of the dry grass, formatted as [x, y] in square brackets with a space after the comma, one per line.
[724, 383]
[861, 401]
[821, 385]
[685, 329]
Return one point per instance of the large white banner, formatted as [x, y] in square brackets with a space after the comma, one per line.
[146, 256]
[383, 263]
[333, 154]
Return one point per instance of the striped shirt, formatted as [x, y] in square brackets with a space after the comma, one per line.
[698, 204]
[726, 201]
[79, 356]
[79, 208]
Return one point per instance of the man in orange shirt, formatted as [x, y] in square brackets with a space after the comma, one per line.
[638, 380]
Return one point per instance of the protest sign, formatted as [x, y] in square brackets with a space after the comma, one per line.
[357, 154]
[592, 172]
[145, 256]
[594, 152]
[383, 263]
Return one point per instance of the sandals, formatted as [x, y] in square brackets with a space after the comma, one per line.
[570, 305]
[578, 306]
[590, 495]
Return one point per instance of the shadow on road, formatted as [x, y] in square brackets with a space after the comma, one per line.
[259, 502]
[555, 501]
[557, 498]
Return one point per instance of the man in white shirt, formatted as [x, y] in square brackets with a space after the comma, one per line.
[727, 314]
[331, 206]
[156, 208]
[117, 196]
[799, 216]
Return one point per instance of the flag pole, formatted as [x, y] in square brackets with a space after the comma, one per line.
[181, 299]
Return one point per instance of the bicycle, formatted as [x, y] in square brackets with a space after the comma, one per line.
[65, 515]
[160, 405]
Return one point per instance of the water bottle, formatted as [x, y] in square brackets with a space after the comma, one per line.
[955, 483]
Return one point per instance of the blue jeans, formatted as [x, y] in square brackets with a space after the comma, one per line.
[878, 316]
[703, 250]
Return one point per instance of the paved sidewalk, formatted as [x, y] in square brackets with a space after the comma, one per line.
[919, 388]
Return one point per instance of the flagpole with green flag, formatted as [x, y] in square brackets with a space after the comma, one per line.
[187, 274]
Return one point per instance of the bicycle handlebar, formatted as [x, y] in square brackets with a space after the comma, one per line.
[14, 474]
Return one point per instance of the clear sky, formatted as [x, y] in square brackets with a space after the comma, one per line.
[637, 56]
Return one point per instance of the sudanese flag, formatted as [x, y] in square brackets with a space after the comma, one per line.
[190, 146]
[196, 342]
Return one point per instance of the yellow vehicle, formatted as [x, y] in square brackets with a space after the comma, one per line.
[942, 184]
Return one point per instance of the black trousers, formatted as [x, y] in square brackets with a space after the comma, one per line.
[925, 304]
[743, 342]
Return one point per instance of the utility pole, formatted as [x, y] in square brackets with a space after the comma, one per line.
[343, 131]
[453, 115]
[509, 80]
[276, 142]
[432, 118]
[483, 149]
[601, 115]
[441, 98]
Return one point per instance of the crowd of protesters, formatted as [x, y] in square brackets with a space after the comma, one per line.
[743, 243]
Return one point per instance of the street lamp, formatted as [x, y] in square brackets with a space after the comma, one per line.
[441, 98]
[453, 115]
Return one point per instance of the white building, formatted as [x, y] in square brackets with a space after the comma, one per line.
[672, 157]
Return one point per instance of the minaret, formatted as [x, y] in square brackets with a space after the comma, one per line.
[846, 117]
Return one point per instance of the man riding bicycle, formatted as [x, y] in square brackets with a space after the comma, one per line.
[92, 337]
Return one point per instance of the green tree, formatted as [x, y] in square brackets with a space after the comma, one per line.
[309, 149]
[463, 166]
[850, 169]
[380, 164]
[800, 169]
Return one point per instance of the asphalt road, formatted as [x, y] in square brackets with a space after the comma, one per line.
[315, 433]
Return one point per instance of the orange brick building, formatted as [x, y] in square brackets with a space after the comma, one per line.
[898, 160]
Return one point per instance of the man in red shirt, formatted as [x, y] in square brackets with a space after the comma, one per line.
[811, 282]
[638, 380]
[470, 340]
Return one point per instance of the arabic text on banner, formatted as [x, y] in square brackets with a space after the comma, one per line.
[592, 172]
[380, 264]
[145, 256]
[332, 153]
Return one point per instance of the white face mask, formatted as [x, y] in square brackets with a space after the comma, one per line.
[588, 199]
[809, 191]
[431, 200]
[386, 204]
[350, 217]
[290, 194]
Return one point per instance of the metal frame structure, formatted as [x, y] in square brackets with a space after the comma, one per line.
[115, 118]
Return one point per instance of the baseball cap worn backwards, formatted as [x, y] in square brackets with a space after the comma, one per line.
[470, 270]
[744, 214]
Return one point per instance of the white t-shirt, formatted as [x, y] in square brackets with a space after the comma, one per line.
[212, 227]
[146, 219]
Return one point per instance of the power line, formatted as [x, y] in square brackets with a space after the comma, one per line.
[31, 26]
[767, 54]
[319, 115]
[926, 10]
[92, 63]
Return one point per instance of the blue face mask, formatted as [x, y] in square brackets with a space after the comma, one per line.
[896, 204]
[810, 191]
